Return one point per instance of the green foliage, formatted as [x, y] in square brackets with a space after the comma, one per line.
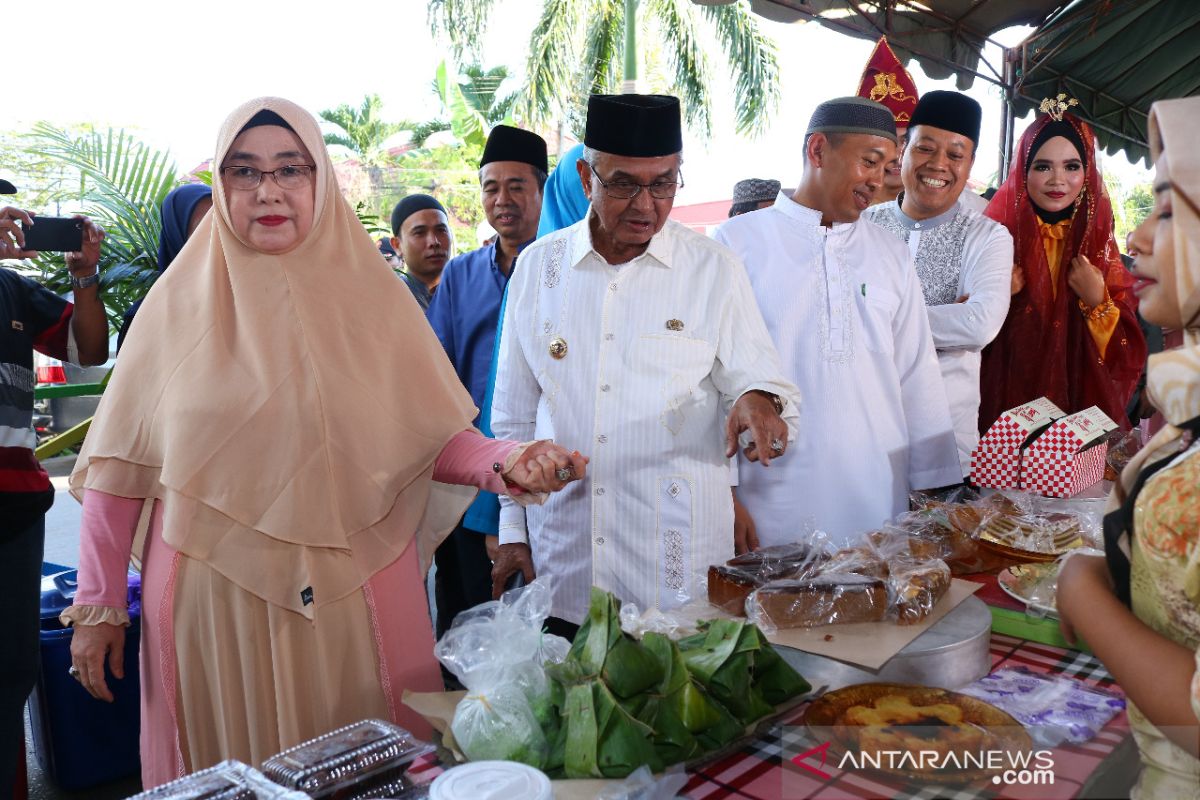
[578, 47]
[120, 183]
[362, 130]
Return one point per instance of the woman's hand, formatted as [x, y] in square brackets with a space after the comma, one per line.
[91, 646]
[1018, 280]
[538, 468]
[1083, 578]
[1086, 281]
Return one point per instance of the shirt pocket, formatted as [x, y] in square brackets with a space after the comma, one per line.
[673, 367]
[877, 311]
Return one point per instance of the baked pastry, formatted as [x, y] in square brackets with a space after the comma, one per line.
[860, 560]
[730, 584]
[916, 589]
[826, 599]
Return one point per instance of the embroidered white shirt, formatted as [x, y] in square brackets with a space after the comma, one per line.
[972, 256]
[657, 351]
[844, 307]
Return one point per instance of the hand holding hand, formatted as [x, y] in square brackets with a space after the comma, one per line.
[755, 411]
[538, 469]
[1086, 281]
[91, 646]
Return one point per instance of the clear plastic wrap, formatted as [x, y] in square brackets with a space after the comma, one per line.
[1122, 446]
[729, 584]
[331, 766]
[497, 650]
[826, 599]
[229, 780]
[915, 587]
[642, 785]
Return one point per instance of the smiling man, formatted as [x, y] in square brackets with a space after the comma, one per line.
[636, 340]
[963, 259]
[844, 307]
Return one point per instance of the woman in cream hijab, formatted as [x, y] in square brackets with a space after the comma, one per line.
[1139, 608]
[282, 572]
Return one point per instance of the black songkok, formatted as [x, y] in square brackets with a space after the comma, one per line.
[506, 143]
[950, 111]
[411, 205]
[638, 125]
[7, 188]
[852, 115]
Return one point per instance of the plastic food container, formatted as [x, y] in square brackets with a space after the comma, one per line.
[229, 780]
[344, 762]
[492, 780]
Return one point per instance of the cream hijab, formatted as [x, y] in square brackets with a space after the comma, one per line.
[288, 408]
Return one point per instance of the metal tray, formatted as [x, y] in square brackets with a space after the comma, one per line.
[952, 653]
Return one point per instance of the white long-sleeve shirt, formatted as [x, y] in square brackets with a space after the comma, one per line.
[844, 307]
[960, 252]
[657, 351]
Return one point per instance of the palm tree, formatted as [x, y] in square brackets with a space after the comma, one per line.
[581, 47]
[121, 183]
[361, 129]
[478, 89]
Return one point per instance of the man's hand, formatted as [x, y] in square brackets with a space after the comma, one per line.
[513, 558]
[12, 238]
[745, 535]
[91, 647]
[492, 544]
[83, 262]
[537, 469]
[755, 411]
[1018, 280]
[1086, 281]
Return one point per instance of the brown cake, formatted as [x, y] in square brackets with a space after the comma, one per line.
[731, 583]
[827, 599]
[917, 587]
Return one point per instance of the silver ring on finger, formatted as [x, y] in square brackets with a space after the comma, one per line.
[564, 473]
[73, 671]
[777, 445]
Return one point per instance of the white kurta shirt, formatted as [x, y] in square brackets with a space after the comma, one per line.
[657, 351]
[844, 307]
[960, 252]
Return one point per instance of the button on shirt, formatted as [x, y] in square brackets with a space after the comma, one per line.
[657, 351]
[844, 307]
[960, 252]
[464, 314]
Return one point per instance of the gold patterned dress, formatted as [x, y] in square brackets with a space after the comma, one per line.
[1166, 596]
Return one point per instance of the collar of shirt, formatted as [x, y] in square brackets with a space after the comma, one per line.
[805, 215]
[493, 253]
[659, 248]
[922, 224]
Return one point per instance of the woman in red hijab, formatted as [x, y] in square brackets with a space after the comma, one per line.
[1072, 332]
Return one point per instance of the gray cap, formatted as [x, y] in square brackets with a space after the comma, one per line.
[853, 115]
[755, 190]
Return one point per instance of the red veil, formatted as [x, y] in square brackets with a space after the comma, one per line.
[1045, 347]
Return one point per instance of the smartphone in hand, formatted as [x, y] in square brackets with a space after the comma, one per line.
[57, 234]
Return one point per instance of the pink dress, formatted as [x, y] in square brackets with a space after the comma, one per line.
[226, 675]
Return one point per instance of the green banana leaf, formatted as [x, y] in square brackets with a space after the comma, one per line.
[723, 666]
[603, 739]
[775, 678]
[602, 649]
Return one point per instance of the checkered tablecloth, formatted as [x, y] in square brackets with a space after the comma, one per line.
[762, 770]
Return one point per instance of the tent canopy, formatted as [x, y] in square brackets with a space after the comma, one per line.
[1115, 56]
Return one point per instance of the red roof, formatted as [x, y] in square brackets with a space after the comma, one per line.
[702, 217]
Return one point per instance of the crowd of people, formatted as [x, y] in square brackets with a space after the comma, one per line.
[599, 394]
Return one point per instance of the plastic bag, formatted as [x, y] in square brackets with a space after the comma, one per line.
[497, 650]
[1054, 708]
[642, 785]
[826, 599]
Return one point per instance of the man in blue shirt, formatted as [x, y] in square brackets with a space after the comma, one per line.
[464, 314]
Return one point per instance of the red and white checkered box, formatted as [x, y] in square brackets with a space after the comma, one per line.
[996, 462]
[1069, 456]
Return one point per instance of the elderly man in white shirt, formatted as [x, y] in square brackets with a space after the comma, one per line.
[844, 307]
[963, 259]
[637, 340]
